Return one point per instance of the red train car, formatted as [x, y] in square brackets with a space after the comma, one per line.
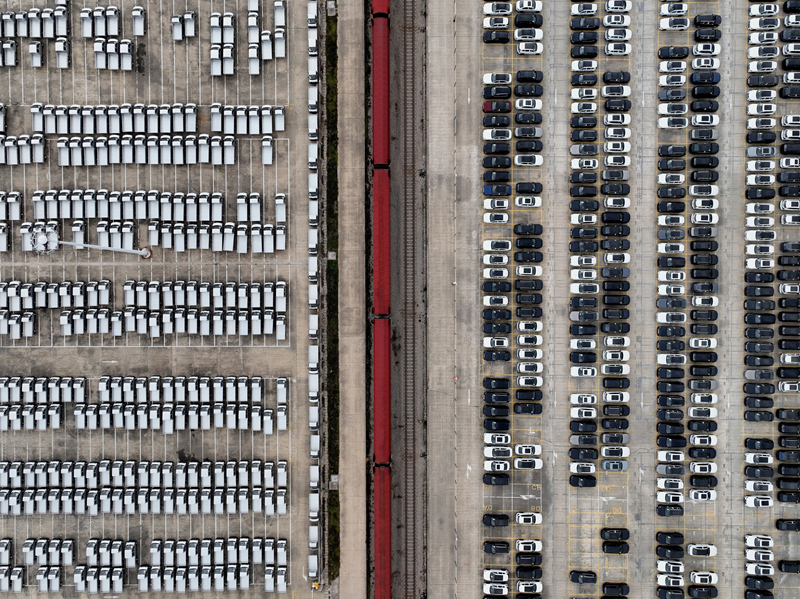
[380, 92]
[381, 243]
[380, 8]
[382, 391]
[382, 538]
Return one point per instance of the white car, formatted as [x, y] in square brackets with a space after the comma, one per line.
[529, 339]
[585, 9]
[495, 273]
[757, 458]
[672, 66]
[495, 218]
[759, 221]
[758, 486]
[673, 24]
[618, 48]
[496, 451]
[763, 38]
[527, 449]
[705, 120]
[529, 6]
[705, 203]
[703, 190]
[670, 220]
[705, 63]
[528, 160]
[582, 399]
[671, 359]
[583, 93]
[761, 66]
[618, 35]
[530, 326]
[495, 259]
[706, 49]
[496, 78]
[759, 555]
[706, 399]
[761, 109]
[759, 179]
[494, 589]
[761, 123]
[705, 301]
[495, 342]
[528, 104]
[528, 35]
[617, 147]
[763, 52]
[673, 122]
[790, 219]
[496, 438]
[528, 202]
[495, 204]
[584, 288]
[672, 108]
[669, 484]
[583, 164]
[702, 467]
[497, 245]
[616, 355]
[758, 569]
[619, 6]
[758, 541]
[582, 218]
[583, 371]
[495, 300]
[528, 464]
[675, 9]
[763, 24]
[495, 23]
[701, 550]
[529, 354]
[617, 119]
[759, 263]
[615, 369]
[789, 288]
[617, 202]
[669, 497]
[582, 413]
[671, 178]
[760, 165]
[761, 95]
[582, 468]
[529, 586]
[529, 271]
[530, 367]
[670, 248]
[496, 466]
[703, 440]
[670, 317]
[671, 275]
[530, 48]
[490, 575]
[530, 381]
[528, 518]
[671, 80]
[582, 274]
[754, 249]
[583, 66]
[616, 396]
[668, 580]
[670, 455]
[617, 258]
[671, 290]
[582, 260]
[496, 134]
[615, 451]
[763, 10]
[583, 107]
[616, 20]
[615, 91]
[528, 545]
[675, 567]
[497, 9]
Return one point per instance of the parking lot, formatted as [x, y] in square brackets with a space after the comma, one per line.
[215, 173]
[573, 517]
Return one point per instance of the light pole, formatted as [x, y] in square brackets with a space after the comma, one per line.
[45, 240]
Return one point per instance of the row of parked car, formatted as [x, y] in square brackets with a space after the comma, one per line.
[674, 296]
[763, 361]
[592, 95]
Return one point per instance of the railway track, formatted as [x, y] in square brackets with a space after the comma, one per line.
[413, 557]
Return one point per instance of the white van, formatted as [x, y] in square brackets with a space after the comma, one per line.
[313, 95]
[313, 181]
[313, 49]
[313, 506]
[313, 417]
[312, 127]
[313, 70]
[313, 149]
[312, 269]
[313, 296]
[313, 358]
[313, 537]
[313, 326]
[313, 213]
[312, 14]
[314, 447]
[312, 241]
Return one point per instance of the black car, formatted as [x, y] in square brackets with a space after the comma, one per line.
[495, 520]
[672, 150]
[490, 424]
[704, 77]
[758, 402]
[705, 91]
[671, 262]
[668, 52]
[704, 259]
[616, 589]
[612, 77]
[704, 148]
[496, 411]
[707, 35]
[618, 105]
[616, 286]
[762, 81]
[584, 23]
[496, 479]
[761, 583]
[528, 20]
[584, 51]
[583, 246]
[527, 408]
[523, 395]
[584, 205]
[665, 511]
[704, 176]
[761, 137]
[615, 534]
[528, 559]
[672, 193]
[582, 357]
[528, 573]
[501, 397]
[758, 361]
[496, 37]
[703, 453]
[583, 453]
[583, 191]
[667, 331]
[615, 245]
[498, 92]
[534, 285]
[672, 207]
[496, 121]
[494, 314]
[496, 547]
[669, 538]
[704, 106]
[705, 162]
[528, 256]
[759, 193]
[583, 426]
[583, 122]
[669, 401]
[529, 187]
[582, 577]
[703, 482]
[615, 547]
[582, 481]
[616, 300]
[528, 90]
[529, 242]
[496, 287]
[527, 118]
[496, 383]
[584, 37]
[494, 328]
[671, 165]
[670, 442]
[671, 94]
[669, 552]
[758, 472]
[792, 566]
[530, 76]
[703, 592]
[496, 177]
[707, 21]
[497, 162]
